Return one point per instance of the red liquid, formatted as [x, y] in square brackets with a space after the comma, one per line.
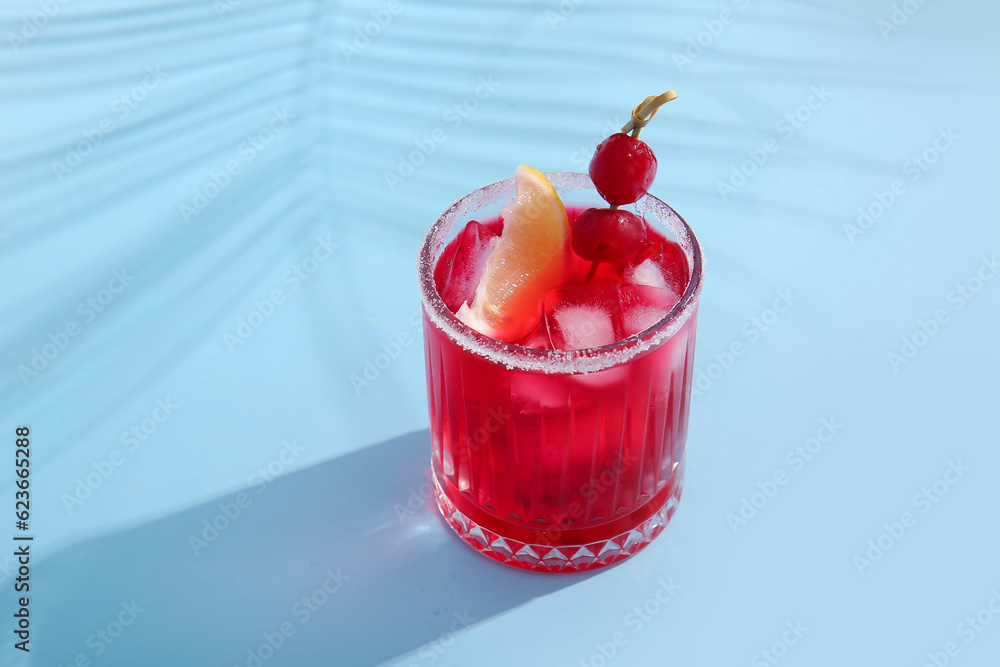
[563, 460]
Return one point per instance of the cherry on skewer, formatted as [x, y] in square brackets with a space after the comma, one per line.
[622, 169]
[607, 235]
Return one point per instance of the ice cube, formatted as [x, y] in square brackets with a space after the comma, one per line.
[601, 312]
[640, 319]
[646, 273]
[583, 327]
[460, 266]
[582, 316]
[538, 339]
[670, 262]
[643, 306]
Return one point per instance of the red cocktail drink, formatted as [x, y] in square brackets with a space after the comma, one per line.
[562, 450]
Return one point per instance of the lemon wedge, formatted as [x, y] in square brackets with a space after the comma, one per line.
[529, 259]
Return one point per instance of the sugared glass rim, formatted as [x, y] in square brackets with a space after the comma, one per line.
[555, 361]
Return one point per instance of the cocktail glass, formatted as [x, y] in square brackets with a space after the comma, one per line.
[557, 460]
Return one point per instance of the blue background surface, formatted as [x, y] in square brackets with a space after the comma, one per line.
[100, 158]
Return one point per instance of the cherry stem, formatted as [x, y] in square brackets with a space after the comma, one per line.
[645, 111]
[593, 270]
[614, 207]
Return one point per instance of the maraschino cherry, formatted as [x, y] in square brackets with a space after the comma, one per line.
[622, 169]
[606, 235]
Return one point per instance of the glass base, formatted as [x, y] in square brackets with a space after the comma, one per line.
[564, 558]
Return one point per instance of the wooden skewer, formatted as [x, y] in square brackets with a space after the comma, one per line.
[644, 112]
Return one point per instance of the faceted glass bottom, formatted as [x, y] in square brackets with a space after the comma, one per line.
[564, 558]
